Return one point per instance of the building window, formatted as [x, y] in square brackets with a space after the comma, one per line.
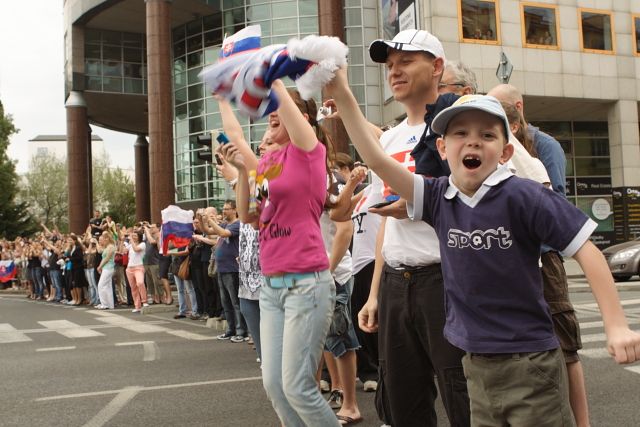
[479, 21]
[636, 34]
[596, 28]
[540, 26]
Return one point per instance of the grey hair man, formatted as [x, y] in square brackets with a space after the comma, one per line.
[458, 78]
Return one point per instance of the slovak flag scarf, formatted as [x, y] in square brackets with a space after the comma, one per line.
[245, 71]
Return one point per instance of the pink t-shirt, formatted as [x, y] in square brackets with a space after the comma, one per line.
[291, 190]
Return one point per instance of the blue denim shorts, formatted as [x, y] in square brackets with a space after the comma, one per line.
[342, 335]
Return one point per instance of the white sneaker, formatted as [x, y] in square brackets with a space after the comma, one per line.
[370, 386]
[324, 386]
[145, 305]
[135, 310]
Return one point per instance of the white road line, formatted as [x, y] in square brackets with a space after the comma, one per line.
[595, 304]
[158, 387]
[70, 329]
[151, 349]
[10, 334]
[635, 369]
[189, 335]
[600, 323]
[109, 411]
[131, 325]
[56, 348]
[594, 338]
[595, 353]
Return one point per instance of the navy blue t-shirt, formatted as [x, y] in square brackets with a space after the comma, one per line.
[425, 153]
[227, 249]
[490, 247]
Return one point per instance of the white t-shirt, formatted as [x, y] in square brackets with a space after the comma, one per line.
[365, 228]
[522, 164]
[135, 258]
[342, 273]
[406, 242]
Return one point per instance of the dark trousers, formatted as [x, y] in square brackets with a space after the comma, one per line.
[411, 316]
[229, 285]
[211, 292]
[367, 355]
[199, 286]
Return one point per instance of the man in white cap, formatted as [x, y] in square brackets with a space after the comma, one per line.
[406, 303]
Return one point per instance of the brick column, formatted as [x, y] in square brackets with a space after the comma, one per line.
[141, 149]
[331, 23]
[78, 163]
[160, 106]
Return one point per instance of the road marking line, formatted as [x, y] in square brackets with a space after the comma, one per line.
[594, 338]
[600, 324]
[109, 411]
[131, 325]
[595, 304]
[150, 349]
[158, 387]
[70, 329]
[10, 334]
[56, 348]
[635, 369]
[189, 335]
[595, 353]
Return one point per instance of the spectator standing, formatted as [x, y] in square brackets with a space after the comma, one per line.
[151, 262]
[105, 269]
[96, 224]
[227, 251]
[135, 271]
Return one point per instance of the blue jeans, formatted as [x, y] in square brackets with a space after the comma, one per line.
[90, 275]
[56, 280]
[250, 310]
[293, 326]
[229, 284]
[183, 285]
[37, 277]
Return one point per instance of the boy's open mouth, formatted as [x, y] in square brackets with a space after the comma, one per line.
[471, 162]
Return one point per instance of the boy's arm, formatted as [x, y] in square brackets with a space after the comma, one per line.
[368, 315]
[622, 343]
[359, 130]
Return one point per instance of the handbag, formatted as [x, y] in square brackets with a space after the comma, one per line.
[184, 270]
[212, 270]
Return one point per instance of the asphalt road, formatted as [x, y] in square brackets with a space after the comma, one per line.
[82, 367]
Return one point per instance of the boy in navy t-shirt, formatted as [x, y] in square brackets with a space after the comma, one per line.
[491, 225]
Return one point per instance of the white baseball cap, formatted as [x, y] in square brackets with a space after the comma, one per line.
[486, 103]
[407, 40]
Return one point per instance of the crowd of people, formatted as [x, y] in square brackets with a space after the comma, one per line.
[416, 271]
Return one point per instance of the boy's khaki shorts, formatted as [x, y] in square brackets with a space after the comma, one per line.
[520, 389]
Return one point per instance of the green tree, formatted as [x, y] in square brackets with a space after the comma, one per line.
[46, 190]
[113, 191]
[15, 219]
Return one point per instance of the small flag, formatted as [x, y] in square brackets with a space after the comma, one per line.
[8, 270]
[177, 228]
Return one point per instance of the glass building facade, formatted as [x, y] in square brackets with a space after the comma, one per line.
[115, 62]
[197, 44]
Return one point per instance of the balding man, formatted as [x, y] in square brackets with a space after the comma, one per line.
[458, 78]
[556, 288]
[549, 150]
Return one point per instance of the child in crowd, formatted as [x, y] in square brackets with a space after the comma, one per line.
[491, 225]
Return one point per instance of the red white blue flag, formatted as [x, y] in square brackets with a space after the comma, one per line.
[245, 71]
[177, 228]
[7, 270]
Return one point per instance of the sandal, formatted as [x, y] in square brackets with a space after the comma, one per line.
[348, 421]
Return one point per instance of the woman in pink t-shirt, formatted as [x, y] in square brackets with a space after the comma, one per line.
[297, 299]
